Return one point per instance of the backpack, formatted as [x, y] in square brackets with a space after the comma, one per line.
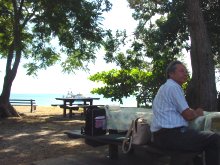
[95, 123]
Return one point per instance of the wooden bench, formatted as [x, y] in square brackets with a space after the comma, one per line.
[24, 102]
[112, 140]
[73, 107]
[115, 140]
[56, 105]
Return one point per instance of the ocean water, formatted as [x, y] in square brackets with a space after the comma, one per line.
[48, 99]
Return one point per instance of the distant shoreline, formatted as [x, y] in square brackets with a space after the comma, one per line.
[48, 99]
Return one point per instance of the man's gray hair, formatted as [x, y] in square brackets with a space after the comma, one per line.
[172, 67]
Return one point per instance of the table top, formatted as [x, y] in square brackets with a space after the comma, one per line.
[78, 98]
[120, 118]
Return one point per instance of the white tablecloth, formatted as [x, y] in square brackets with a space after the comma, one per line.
[120, 118]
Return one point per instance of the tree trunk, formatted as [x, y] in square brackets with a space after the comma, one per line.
[13, 61]
[6, 110]
[201, 91]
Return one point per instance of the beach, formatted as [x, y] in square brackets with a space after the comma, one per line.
[39, 135]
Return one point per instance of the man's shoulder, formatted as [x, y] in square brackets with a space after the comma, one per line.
[172, 83]
[170, 88]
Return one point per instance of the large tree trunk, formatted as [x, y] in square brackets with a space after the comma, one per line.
[6, 110]
[13, 61]
[201, 91]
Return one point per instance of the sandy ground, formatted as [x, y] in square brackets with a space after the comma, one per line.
[40, 135]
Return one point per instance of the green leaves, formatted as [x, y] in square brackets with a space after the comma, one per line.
[120, 83]
[159, 38]
[33, 25]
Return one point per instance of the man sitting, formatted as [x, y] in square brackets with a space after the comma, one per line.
[171, 114]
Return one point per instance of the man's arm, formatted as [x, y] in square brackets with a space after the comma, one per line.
[190, 114]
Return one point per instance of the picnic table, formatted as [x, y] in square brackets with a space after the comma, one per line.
[69, 103]
[119, 119]
[114, 142]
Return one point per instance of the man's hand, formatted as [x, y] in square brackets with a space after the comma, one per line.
[199, 111]
[190, 114]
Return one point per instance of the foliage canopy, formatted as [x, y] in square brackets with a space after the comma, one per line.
[75, 25]
[161, 36]
[29, 29]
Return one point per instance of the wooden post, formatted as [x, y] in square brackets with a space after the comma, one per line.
[70, 113]
[113, 151]
[31, 105]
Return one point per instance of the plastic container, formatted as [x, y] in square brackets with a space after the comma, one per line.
[100, 122]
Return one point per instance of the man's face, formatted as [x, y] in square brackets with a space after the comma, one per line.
[180, 74]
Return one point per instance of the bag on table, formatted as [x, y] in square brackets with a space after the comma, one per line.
[95, 124]
[95, 121]
[138, 134]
